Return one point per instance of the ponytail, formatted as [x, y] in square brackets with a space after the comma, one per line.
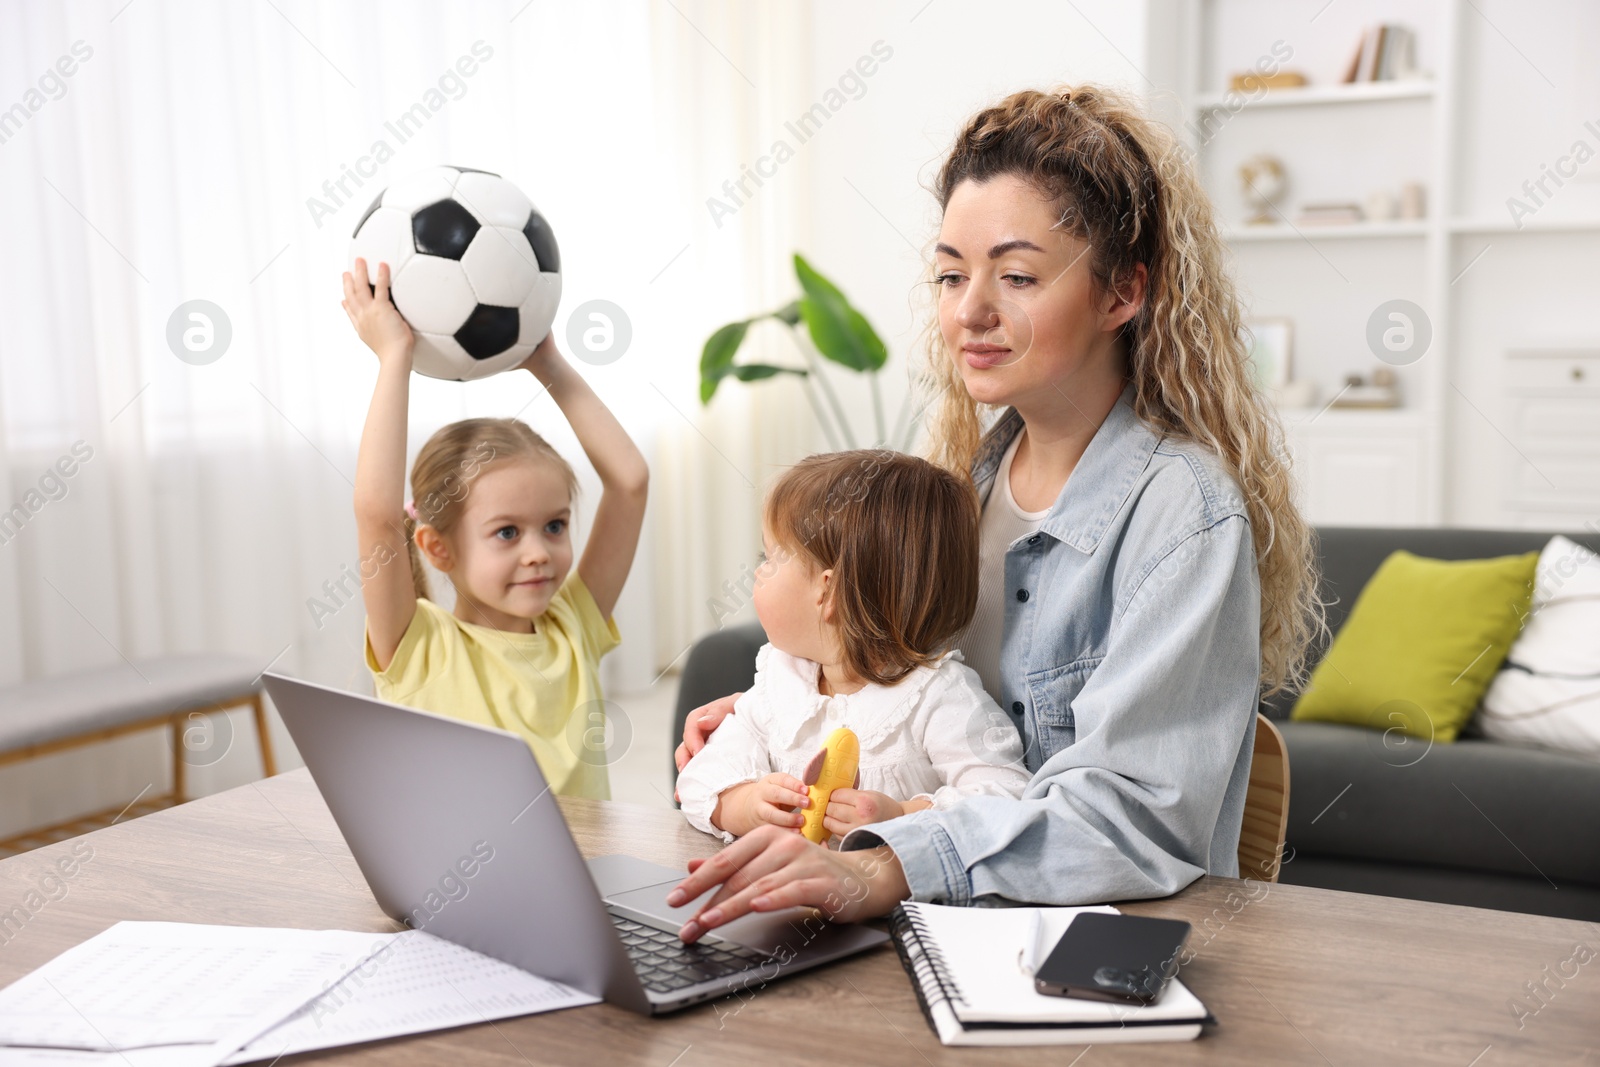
[419, 576]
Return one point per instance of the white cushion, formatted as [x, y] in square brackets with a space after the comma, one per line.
[1548, 691]
[69, 705]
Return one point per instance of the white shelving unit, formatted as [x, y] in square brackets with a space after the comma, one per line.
[1529, 226]
[1282, 231]
[1482, 438]
[1552, 395]
[1502, 264]
[1356, 467]
[1357, 93]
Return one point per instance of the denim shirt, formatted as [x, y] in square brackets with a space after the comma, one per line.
[1130, 663]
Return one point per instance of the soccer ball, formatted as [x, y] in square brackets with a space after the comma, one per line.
[473, 267]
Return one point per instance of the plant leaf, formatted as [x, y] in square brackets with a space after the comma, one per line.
[789, 313]
[722, 345]
[717, 356]
[816, 286]
[752, 372]
[744, 372]
[840, 332]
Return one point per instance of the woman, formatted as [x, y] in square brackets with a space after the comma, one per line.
[1145, 570]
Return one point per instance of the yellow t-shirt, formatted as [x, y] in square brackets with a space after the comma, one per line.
[544, 686]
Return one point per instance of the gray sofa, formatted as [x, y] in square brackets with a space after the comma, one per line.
[1472, 822]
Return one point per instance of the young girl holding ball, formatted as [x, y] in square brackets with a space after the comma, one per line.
[492, 510]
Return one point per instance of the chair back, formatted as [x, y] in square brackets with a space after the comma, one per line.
[1266, 805]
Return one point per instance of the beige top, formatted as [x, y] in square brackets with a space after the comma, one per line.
[1001, 524]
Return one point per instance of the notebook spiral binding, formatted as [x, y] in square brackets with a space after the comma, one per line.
[920, 956]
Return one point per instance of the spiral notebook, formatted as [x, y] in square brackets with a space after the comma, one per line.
[972, 969]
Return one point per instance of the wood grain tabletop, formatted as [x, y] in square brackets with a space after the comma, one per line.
[1293, 974]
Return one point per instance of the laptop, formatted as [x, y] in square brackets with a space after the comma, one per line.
[457, 833]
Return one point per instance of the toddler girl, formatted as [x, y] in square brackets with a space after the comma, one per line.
[870, 570]
[492, 509]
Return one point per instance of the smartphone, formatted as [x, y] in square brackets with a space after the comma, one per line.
[1124, 958]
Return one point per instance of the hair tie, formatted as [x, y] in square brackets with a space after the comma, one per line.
[411, 510]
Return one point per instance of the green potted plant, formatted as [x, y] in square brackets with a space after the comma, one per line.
[835, 330]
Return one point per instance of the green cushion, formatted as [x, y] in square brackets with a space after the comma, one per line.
[1421, 644]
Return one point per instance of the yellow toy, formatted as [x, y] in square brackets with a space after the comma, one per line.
[832, 768]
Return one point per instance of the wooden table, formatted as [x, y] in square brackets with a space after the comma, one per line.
[1294, 974]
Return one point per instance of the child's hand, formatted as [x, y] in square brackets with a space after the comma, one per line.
[850, 808]
[374, 316]
[766, 800]
[545, 361]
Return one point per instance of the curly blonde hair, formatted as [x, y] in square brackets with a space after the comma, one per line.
[1126, 187]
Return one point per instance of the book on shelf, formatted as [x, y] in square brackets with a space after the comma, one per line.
[1254, 82]
[1367, 397]
[1386, 52]
[1330, 214]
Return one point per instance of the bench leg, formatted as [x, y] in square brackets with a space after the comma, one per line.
[178, 762]
[269, 766]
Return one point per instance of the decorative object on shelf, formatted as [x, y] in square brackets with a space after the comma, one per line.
[1295, 394]
[1264, 181]
[1413, 200]
[1387, 52]
[1383, 391]
[1340, 213]
[1253, 82]
[1380, 206]
[1271, 348]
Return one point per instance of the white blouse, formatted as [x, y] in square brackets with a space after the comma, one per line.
[935, 734]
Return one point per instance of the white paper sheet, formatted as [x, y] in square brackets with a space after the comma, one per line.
[186, 994]
[418, 983]
[153, 1056]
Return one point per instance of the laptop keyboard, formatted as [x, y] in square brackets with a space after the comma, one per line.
[664, 963]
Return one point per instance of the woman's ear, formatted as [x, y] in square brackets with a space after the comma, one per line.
[434, 549]
[1127, 298]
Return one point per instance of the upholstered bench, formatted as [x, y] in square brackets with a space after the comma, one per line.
[72, 710]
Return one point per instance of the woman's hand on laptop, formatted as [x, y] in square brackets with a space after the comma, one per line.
[771, 868]
[699, 724]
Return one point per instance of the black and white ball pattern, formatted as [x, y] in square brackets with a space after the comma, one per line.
[473, 267]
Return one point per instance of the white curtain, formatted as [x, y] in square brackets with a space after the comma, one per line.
[219, 151]
[742, 71]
